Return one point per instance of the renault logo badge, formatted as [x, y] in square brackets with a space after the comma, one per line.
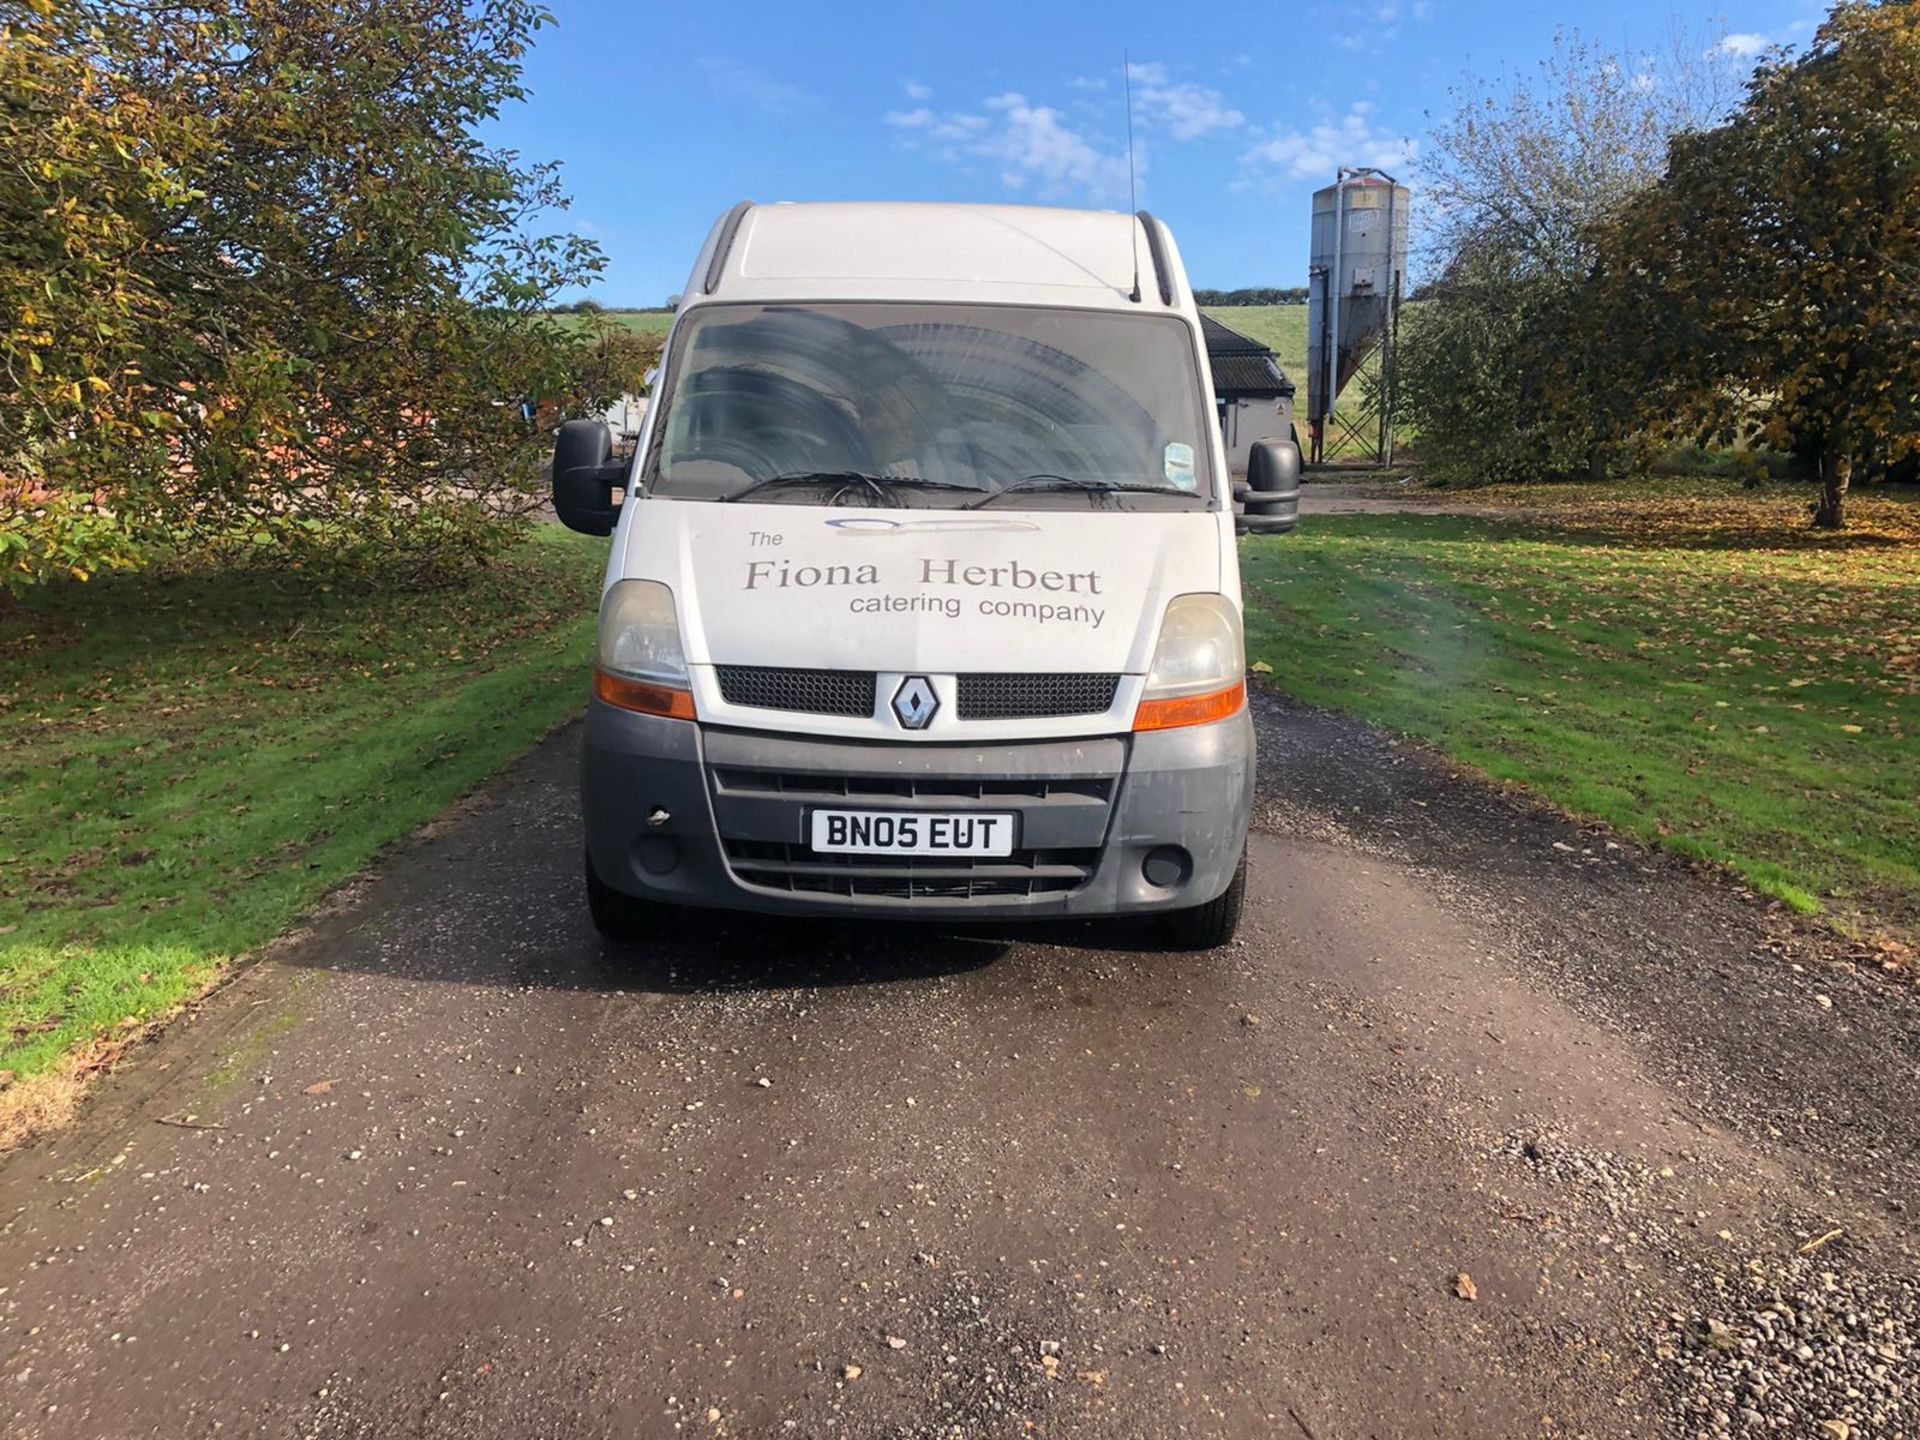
[914, 703]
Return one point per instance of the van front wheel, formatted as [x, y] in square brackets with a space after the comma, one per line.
[1209, 926]
[619, 917]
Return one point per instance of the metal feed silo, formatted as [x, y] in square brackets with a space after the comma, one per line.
[1355, 278]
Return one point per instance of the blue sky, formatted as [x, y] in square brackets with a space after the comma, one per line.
[665, 115]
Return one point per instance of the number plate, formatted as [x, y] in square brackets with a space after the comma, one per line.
[911, 832]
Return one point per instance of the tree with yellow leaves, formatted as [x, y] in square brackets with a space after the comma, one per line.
[1775, 270]
[267, 289]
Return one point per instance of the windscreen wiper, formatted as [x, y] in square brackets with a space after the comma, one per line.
[875, 485]
[921, 482]
[1043, 480]
[880, 486]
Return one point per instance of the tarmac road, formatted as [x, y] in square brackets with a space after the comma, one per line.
[445, 1165]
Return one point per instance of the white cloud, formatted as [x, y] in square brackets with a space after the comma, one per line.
[955, 125]
[1316, 153]
[1028, 146]
[1744, 44]
[743, 82]
[1187, 111]
[1031, 142]
[1071, 153]
[960, 125]
[914, 90]
[1381, 24]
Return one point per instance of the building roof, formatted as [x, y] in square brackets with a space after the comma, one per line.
[1241, 365]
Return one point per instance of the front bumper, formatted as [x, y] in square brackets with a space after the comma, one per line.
[695, 815]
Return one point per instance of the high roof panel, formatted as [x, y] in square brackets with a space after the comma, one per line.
[970, 244]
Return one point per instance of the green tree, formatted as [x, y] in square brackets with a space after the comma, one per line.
[1259, 295]
[1490, 370]
[275, 293]
[609, 361]
[1776, 269]
[1509, 367]
[93, 176]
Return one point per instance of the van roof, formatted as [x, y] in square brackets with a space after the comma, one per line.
[1023, 254]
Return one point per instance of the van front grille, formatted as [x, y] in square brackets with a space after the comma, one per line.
[798, 870]
[986, 696]
[1031, 697]
[815, 786]
[764, 792]
[803, 692]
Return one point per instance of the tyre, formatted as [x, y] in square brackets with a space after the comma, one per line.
[1209, 926]
[620, 917]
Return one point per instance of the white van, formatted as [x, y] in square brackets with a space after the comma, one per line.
[923, 598]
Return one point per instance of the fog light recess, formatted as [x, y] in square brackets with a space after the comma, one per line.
[1167, 866]
[657, 855]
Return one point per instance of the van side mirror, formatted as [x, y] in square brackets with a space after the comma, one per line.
[589, 485]
[1272, 491]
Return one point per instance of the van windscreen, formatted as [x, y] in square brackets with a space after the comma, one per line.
[937, 406]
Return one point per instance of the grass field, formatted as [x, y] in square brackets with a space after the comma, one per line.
[1701, 673]
[186, 765]
[648, 322]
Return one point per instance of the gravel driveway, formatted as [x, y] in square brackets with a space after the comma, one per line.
[1488, 1127]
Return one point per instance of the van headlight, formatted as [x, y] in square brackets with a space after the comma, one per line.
[1199, 671]
[641, 665]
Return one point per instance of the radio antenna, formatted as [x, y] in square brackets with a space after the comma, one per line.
[1133, 201]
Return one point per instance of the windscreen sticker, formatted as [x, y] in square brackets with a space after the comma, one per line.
[1180, 466]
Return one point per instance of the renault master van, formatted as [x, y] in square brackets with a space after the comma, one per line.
[923, 598]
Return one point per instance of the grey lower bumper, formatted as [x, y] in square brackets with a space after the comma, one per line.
[695, 816]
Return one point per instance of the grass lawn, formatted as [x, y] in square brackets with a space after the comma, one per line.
[648, 322]
[187, 764]
[1701, 672]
